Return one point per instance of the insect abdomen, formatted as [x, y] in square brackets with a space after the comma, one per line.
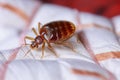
[59, 30]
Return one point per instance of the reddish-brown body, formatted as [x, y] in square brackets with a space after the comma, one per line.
[58, 31]
[54, 32]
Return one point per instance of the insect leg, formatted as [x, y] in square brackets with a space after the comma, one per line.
[33, 29]
[69, 45]
[47, 42]
[52, 50]
[43, 47]
[27, 37]
[50, 47]
[39, 27]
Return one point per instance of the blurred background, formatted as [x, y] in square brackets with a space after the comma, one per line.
[108, 8]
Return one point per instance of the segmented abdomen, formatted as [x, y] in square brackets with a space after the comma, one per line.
[59, 30]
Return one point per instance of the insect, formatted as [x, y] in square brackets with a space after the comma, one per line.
[56, 32]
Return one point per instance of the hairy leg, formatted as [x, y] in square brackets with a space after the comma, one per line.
[27, 37]
[51, 48]
[43, 48]
[30, 38]
[68, 45]
[35, 32]
[39, 27]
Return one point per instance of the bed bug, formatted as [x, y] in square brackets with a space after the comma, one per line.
[56, 32]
